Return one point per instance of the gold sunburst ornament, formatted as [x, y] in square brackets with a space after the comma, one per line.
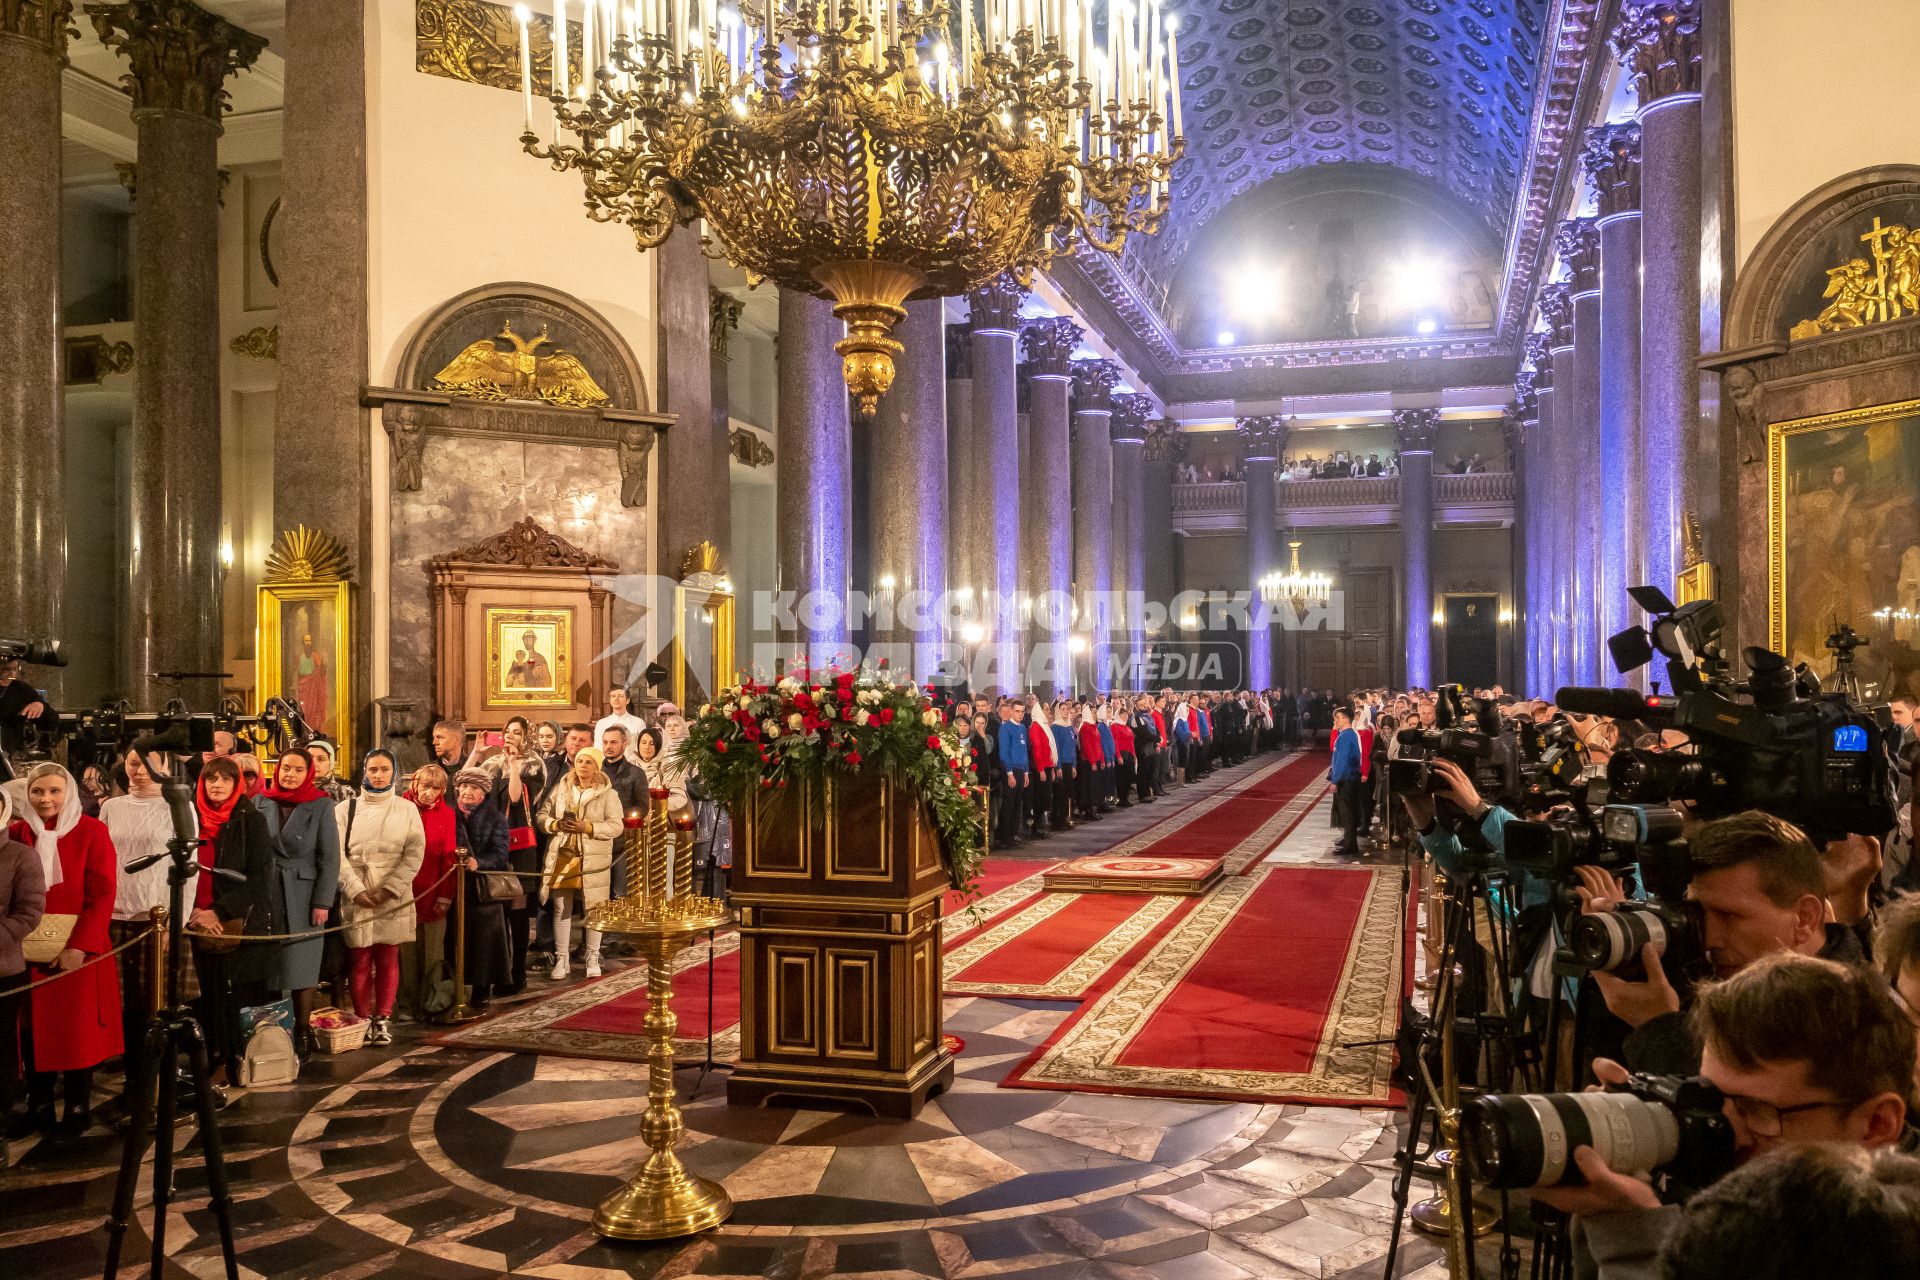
[306, 555]
[868, 151]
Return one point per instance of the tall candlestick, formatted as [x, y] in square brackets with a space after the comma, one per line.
[522, 17]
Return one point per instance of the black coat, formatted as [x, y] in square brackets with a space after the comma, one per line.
[246, 845]
[484, 835]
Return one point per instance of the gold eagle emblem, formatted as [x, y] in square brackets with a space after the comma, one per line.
[486, 371]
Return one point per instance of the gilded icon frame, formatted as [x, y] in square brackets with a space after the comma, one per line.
[555, 626]
[1779, 436]
[279, 605]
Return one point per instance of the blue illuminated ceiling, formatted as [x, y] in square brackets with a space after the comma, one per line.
[1440, 88]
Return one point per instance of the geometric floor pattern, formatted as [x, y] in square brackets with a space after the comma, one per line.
[429, 1161]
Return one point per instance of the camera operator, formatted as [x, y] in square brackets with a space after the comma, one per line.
[20, 705]
[1759, 886]
[1803, 1050]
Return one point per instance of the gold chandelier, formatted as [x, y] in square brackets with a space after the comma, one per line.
[868, 151]
[1295, 587]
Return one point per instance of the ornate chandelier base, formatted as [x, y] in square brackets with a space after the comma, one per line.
[871, 297]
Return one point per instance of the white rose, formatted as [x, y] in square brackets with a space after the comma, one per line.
[745, 703]
[794, 721]
[930, 718]
[706, 709]
[773, 731]
[861, 717]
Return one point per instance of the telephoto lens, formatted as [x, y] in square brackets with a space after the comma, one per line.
[1613, 940]
[1656, 1125]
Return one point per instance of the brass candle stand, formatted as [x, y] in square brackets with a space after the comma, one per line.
[661, 1200]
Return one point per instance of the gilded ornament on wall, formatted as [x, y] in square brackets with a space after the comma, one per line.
[479, 43]
[486, 371]
[1871, 290]
[262, 343]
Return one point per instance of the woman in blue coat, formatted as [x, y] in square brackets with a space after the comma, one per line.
[300, 816]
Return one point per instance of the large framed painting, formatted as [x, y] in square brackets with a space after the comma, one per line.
[529, 657]
[1843, 543]
[304, 652]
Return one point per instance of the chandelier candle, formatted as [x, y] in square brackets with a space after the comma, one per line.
[838, 148]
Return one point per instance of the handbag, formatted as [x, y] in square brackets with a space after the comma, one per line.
[497, 886]
[226, 939]
[568, 864]
[49, 938]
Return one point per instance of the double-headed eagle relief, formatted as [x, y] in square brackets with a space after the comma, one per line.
[1862, 292]
[487, 371]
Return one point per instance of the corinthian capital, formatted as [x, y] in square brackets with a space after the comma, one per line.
[1658, 44]
[1165, 443]
[179, 55]
[1264, 435]
[1415, 430]
[1578, 240]
[1556, 309]
[996, 305]
[1049, 343]
[1093, 384]
[1131, 414]
[42, 22]
[1611, 158]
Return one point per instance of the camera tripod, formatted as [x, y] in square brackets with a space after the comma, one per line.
[173, 1032]
[1469, 893]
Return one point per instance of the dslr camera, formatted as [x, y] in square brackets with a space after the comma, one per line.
[1672, 1127]
[1466, 731]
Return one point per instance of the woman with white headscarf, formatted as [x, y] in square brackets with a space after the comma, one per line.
[23, 896]
[73, 1025]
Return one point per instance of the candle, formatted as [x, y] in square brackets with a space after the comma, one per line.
[586, 49]
[561, 85]
[1173, 73]
[522, 17]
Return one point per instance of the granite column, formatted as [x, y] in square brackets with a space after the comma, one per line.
[813, 476]
[1165, 450]
[1128, 430]
[1578, 240]
[1415, 431]
[179, 58]
[1264, 438]
[1093, 382]
[33, 525]
[1556, 305]
[964, 512]
[910, 495]
[694, 488]
[1049, 345]
[994, 312]
[1659, 48]
[1612, 161]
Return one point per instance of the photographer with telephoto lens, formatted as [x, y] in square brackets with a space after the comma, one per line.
[1794, 1049]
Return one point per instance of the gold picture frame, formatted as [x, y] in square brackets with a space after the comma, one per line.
[304, 650]
[529, 657]
[1843, 541]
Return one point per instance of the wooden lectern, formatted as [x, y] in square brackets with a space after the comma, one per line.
[838, 898]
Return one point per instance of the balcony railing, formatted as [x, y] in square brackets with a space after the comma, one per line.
[1366, 500]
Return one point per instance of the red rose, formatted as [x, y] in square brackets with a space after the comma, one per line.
[933, 741]
[884, 715]
[853, 757]
[781, 783]
[720, 746]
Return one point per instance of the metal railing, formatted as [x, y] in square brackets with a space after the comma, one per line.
[1217, 497]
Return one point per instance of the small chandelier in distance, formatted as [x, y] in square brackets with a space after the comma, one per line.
[1301, 590]
[869, 151]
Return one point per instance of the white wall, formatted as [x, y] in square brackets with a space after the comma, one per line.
[1819, 90]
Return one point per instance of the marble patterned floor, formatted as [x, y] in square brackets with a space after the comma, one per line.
[426, 1161]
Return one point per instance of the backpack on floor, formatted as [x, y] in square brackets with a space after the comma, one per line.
[269, 1057]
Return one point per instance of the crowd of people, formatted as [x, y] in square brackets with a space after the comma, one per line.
[1339, 466]
[312, 891]
[1804, 1015]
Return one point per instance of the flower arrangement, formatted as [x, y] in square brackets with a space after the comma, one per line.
[800, 728]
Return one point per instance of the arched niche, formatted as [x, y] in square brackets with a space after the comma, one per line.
[571, 325]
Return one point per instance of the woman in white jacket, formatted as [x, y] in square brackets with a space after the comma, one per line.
[382, 844]
[582, 816]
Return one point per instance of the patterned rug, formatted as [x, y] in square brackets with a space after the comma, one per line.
[1059, 946]
[1102, 873]
[1249, 997]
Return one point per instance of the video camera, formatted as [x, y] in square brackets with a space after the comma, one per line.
[1467, 731]
[1811, 758]
[41, 653]
[1673, 1127]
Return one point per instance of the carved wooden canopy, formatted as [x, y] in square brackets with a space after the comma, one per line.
[528, 546]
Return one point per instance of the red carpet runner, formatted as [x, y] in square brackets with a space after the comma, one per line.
[1248, 997]
[1059, 946]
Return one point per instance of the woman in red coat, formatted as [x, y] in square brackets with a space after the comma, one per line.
[72, 1025]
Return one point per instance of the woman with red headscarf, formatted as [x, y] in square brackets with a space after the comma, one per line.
[300, 817]
[72, 1025]
[234, 837]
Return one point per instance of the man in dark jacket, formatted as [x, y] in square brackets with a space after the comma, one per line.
[1146, 747]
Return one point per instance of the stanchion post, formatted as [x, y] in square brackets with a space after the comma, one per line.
[461, 1011]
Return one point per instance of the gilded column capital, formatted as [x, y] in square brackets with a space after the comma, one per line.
[959, 352]
[1611, 158]
[1049, 342]
[1165, 442]
[1578, 243]
[1415, 430]
[1556, 309]
[48, 23]
[1132, 416]
[1093, 384]
[995, 306]
[1264, 435]
[179, 55]
[723, 317]
[1658, 44]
